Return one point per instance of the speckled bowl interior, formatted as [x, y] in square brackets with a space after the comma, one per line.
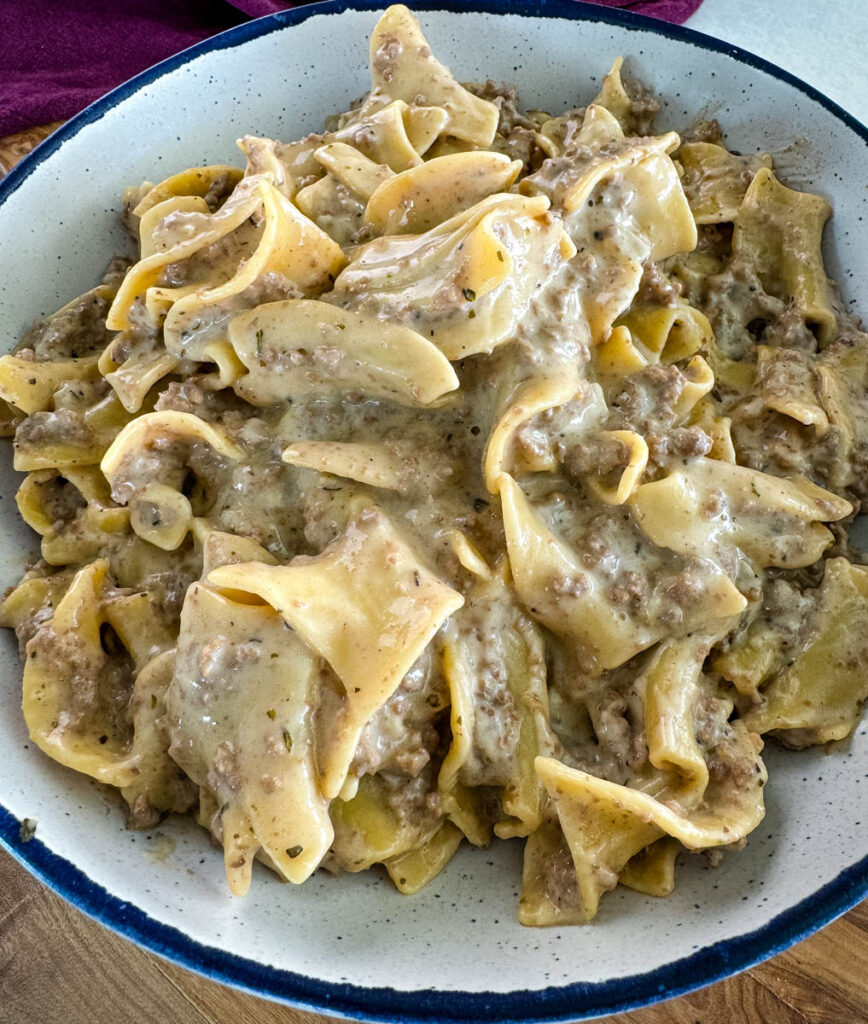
[353, 945]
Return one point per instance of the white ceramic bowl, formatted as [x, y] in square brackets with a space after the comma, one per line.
[353, 945]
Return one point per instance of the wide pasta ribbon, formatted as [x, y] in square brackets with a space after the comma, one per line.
[370, 464]
[780, 231]
[177, 239]
[665, 334]
[392, 136]
[715, 180]
[606, 824]
[85, 419]
[370, 829]
[569, 600]
[466, 283]
[146, 467]
[30, 386]
[601, 171]
[292, 256]
[265, 245]
[506, 672]
[301, 347]
[212, 182]
[403, 67]
[818, 695]
[774, 521]
[239, 711]
[422, 197]
[84, 709]
[96, 517]
[671, 687]
[368, 606]
[528, 399]
[336, 202]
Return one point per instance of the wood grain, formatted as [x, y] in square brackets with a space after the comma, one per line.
[15, 147]
[57, 966]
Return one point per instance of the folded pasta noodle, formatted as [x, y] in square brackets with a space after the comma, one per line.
[467, 282]
[452, 473]
[298, 347]
[370, 642]
[423, 197]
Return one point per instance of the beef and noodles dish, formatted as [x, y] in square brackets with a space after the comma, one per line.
[460, 471]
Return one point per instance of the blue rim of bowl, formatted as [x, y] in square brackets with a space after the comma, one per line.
[579, 1000]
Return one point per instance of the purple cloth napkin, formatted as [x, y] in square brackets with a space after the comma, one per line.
[56, 56]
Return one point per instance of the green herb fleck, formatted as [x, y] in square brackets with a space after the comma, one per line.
[270, 712]
[293, 851]
[259, 342]
[153, 700]
[469, 294]
[287, 740]
[342, 327]
[500, 255]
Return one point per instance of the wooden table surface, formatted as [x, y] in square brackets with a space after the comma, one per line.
[59, 967]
